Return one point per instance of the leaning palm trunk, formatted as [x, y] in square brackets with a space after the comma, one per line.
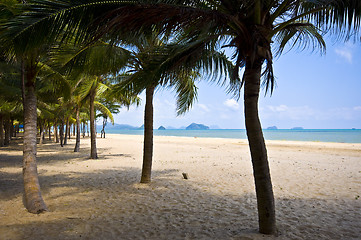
[262, 177]
[33, 200]
[102, 132]
[77, 141]
[148, 136]
[93, 144]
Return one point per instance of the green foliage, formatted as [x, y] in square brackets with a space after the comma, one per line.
[252, 28]
[104, 110]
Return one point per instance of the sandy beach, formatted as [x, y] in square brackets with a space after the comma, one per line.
[317, 188]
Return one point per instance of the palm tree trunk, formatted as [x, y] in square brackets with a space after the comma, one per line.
[148, 136]
[23, 81]
[56, 133]
[262, 177]
[66, 132]
[33, 200]
[77, 142]
[1, 130]
[93, 144]
[12, 129]
[83, 130]
[61, 133]
[41, 132]
[7, 131]
[49, 130]
[68, 125]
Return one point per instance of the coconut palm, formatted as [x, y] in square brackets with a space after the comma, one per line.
[156, 62]
[30, 57]
[113, 107]
[92, 65]
[250, 27]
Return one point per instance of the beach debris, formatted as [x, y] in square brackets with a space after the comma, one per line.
[185, 175]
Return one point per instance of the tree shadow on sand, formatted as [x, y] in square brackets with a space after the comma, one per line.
[111, 204]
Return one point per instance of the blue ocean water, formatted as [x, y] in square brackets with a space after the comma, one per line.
[315, 135]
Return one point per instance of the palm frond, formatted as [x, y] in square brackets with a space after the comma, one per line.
[299, 34]
[105, 111]
[341, 18]
[186, 92]
[55, 81]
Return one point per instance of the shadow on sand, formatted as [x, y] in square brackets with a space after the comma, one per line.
[111, 204]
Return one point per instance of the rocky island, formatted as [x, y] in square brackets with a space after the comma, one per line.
[195, 126]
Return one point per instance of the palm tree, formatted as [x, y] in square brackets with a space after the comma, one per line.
[250, 27]
[156, 62]
[92, 64]
[18, 50]
[112, 106]
[32, 195]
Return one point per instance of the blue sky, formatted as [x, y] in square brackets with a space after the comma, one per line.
[313, 91]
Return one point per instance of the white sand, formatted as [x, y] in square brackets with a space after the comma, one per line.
[316, 185]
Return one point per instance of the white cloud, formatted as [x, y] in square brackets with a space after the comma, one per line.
[280, 108]
[203, 107]
[231, 103]
[344, 53]
[357, 108]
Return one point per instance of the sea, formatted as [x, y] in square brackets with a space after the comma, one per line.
[313, 135]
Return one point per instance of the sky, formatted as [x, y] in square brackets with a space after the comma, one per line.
[313, 91]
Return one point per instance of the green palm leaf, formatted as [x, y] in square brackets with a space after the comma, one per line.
[104, 110]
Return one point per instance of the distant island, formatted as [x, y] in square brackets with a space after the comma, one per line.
[117, 127]
[297, 128]
[195, 126]
[272, 128]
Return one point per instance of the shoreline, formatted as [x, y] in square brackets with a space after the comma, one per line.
[308, 135]
[316, 186]
[356, 146]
